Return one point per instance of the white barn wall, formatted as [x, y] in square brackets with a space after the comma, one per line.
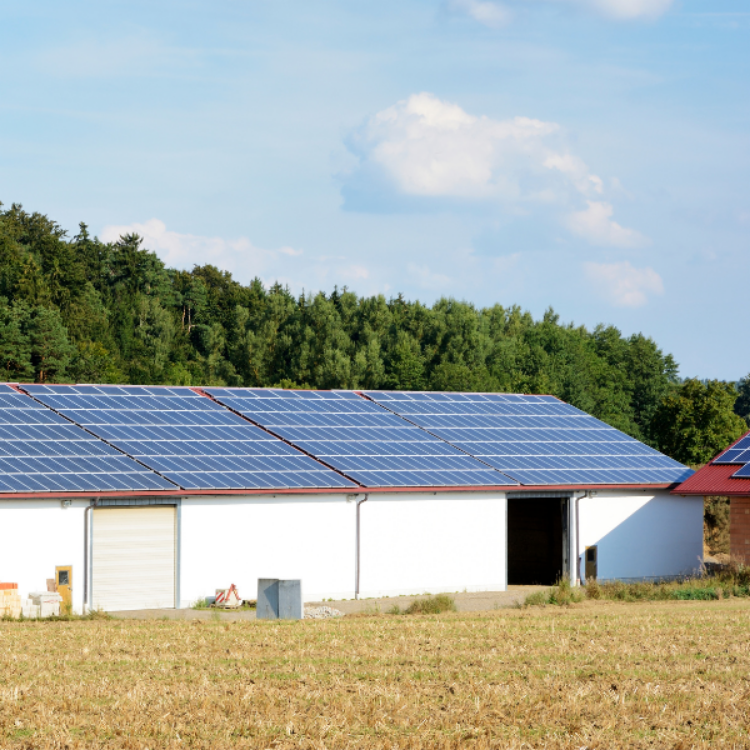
[237, 540]
[642, 535]
[37, 536]
[432, 542]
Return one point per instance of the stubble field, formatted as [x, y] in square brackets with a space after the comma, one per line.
[596, 675]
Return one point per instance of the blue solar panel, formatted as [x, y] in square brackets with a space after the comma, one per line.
[187, 438]
[536, 440]
[739, 453]
[359, 438]
[743, 472]
[42, 452]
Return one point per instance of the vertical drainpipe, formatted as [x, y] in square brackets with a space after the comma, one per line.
[357, 550]
[87, 544]
[576, 572]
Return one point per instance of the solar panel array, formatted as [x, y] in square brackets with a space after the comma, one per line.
[183, 440]
[536, 440]
[187, 438]
[739, 453]
[359, 438]
[42, 452]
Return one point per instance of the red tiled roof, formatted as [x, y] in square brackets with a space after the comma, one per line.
[715, 479]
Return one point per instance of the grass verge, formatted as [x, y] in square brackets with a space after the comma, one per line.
[734, 581]
[433, 605]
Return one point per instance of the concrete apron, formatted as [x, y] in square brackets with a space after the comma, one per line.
[481, 601]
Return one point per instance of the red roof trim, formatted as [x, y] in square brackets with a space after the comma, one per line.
[716, 479]
[331, 491]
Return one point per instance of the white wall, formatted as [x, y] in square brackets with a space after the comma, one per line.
[35, 537]
[240, 539]
[432, 542]
[642, 535]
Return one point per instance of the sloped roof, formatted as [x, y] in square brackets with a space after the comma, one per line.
[537, 440]
[245, 441]
[717, 478]
[40, 451]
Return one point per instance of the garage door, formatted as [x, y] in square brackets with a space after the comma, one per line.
[133, 558]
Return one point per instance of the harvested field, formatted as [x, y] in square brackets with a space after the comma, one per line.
[604, 675]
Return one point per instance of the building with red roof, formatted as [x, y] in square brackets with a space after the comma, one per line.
[728, 474]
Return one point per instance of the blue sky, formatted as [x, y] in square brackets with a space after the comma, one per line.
[591, 155]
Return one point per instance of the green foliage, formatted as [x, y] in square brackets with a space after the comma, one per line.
[733, 580]
[561, 595]
[81, 310]
[742, 404]
[434, 605]
[697, 420]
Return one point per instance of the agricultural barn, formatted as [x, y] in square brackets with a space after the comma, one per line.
[728, 474]
[157, 496]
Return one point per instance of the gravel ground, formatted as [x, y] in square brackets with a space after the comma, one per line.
[465, 602]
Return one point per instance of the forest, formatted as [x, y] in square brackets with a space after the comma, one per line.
[74, 309]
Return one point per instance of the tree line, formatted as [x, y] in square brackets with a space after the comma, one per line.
[75, 309]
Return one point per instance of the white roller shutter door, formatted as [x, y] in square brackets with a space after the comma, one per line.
[133, 558]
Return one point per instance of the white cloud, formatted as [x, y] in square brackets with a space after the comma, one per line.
[595, 224]
[186, 250]
[428, 279]
[429, 147]
[244, 260]
[578, 172]
[488, 13]
[623, 284]
[495, 14]
[626, 10]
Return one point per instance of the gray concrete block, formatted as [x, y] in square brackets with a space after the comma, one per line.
[279, 600]
[267, 607]
[290, 600]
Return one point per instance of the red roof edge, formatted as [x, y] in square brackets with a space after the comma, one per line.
[330, 491]
[716, 479]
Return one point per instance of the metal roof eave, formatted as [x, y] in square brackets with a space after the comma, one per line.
[716, 479]
[330, 491]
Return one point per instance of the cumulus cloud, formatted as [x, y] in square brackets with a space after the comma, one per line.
[429, 148]
[595, 224]
[623, 284]
[495, 14]
[186, 250]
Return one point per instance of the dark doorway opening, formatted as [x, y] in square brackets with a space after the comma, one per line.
[537, 528]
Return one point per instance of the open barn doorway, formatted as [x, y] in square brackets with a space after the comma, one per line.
[537, 540]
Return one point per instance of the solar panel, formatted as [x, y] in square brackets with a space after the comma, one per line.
[42, 452]
[536, 440]
[186, 437]
[359, 438]
[739, 453]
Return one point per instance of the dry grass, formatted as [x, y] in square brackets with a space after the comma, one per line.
[595, 675]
